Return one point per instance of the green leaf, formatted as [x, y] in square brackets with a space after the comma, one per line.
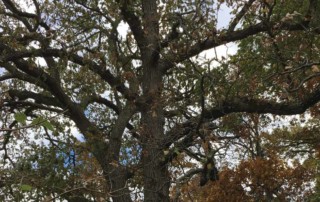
[41, 121]
[176, 150]
[20, 117]
[47, 125]
[37, 121]
[25, 187]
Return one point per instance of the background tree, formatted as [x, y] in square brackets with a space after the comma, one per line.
[265, 171]
[142, 98]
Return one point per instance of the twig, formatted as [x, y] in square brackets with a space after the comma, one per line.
[31, 125]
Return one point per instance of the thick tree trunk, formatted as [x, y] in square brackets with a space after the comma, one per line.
[156, 180]
[155, 173]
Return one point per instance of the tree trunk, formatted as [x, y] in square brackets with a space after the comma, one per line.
[155, 172]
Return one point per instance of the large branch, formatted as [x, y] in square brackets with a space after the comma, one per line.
[15, 73]
[260, 106]
[118, 130]
[16, 13]
[263, 106]
[76, 113]
[227, 37]
[133, 22]
[6, 77]
[118, 174]
[105, 74]
[110, 105]
[38, 98]
[10, 5]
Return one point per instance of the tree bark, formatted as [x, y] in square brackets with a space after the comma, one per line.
[117, 177]
[155, 172]
[116, 174]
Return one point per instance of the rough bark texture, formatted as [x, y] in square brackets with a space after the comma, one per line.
[155, 173]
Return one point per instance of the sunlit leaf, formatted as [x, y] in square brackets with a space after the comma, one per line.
[20, 117]
[48, 125]
[25, 187]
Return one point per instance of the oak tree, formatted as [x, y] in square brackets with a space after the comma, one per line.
[131, 78]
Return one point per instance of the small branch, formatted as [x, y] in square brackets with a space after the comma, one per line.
[300, 67]
[34, 105]
[303, 81]
[31, 125]
[100, 100]
[239, 16]
[183, 179]
[189, 174]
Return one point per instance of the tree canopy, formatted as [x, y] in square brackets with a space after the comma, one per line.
[134, 101]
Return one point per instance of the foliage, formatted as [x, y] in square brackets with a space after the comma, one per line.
[253, 180]
[134, 100]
